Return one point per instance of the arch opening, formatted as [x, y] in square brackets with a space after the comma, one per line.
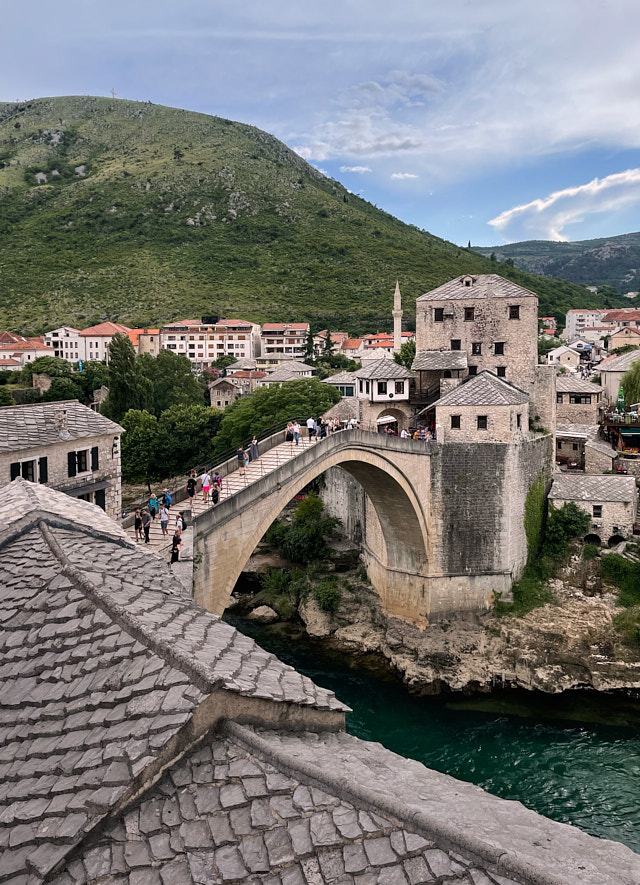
[593, 539]
[614, 540]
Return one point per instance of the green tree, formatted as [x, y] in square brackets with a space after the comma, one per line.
[93, 376]
[272, 407]
[139, 447]
[185, 437]
[171, 380]
[328, 343]
[309, 351]
[5, 397]
[407, 354]
[305, 540]
[631, 384]
[223, 362]
[329, 364]
[62, 388]
[129, 387]
[53, 366]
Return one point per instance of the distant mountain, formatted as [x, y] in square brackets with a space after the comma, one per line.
[614, 261]
[137, 213]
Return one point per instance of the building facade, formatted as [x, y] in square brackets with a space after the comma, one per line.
[65, 446]
[204, 341]
[577, 401]
[66, 343]
[610, 501]
[484, 409]
[285, 338]
[96, 340]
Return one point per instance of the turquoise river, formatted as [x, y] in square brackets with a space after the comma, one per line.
[574, 759]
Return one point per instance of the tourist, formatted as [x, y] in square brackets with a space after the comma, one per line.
[311, 428]
[146, 524]
[423, 433]
[404, 433]
[416, 434]
[240, 457]
[167, 500]
[164, 519]
[176, 544]
[296, 432]
[217, 481]
[288, 434]
[253, 448]
[206, 485]
[215, 494]
[153, 506]
[179, 523]
[246, 458]
[137, 525]
[190, 487]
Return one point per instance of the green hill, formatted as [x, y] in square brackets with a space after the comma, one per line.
[612, 261]
[138, 213]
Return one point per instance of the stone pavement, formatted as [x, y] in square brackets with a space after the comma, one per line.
[231, 484]
[143, 741]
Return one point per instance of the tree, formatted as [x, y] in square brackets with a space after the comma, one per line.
[310, 351]
[139, 447]
[407, 354]
[272, 407]
[631, 384]
[328, 364]
[93, 376]
[53, 366]
[129, 388]
[5, 397]
[170, 379]
[305, 540]
[185, 437]
[328, 344]
[223, 362]
[62, 388]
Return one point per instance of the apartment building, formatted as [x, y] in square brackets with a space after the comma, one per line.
[206, 340]
[286, 338]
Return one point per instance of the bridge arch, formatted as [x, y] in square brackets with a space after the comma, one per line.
[227, 536]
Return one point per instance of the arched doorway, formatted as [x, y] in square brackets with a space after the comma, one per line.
[614, 540]
[593, 539]
[390, 419]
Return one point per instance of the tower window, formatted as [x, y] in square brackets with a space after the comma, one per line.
[455, 344]
[482, 422]
[501, 371]
[438, 315]
[476, 348]
[514, 311]
[455, 422]
[469, 314]
[498, 348]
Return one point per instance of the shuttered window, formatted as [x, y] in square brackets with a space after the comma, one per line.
[43, 470]
[94, 458]
[71, 463]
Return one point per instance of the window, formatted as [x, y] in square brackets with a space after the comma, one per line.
[558, 443]
[580, 400]
[455, 344]
[575, 447]
[400, 387]
[518, 420]
[597, 511]
[31, 470]
[82, 461]
[559, 398]
[455, 422]
[514, 311]
[382, 388]
[473, 370]
[469, 314]
[498, 348]
[501, 371]
[476, 348]
[438, 315]
[482, 422]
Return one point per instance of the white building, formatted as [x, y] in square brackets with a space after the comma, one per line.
[577, 320]
[25, 351]
[206, 341]
[96, 340]
[564, 357]
[66, 343]
[286, 338]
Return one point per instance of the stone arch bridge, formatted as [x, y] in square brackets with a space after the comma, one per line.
[443, 523]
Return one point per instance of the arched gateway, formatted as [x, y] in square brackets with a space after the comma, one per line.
[227, 535]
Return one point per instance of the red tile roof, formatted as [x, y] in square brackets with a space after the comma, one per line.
[625, 329]
[285, 327]
[103, 330]
[246, 373]
[134, 334]
[351, 343]
[9, 362]
[623, 314]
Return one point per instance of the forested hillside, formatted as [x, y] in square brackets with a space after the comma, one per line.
[138, 213]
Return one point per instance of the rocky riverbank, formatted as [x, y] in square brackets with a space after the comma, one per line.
[567, 644]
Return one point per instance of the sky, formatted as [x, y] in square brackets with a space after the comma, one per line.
[485, 120]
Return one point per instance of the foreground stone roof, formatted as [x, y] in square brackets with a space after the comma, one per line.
[145, 742]
[485, 389]
[619, 363]
[488, 285]
[43, 424]
[569, 383]
[594, 487]
[435, 360]
[383, 369]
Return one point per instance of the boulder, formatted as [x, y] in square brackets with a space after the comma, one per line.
[263, 614]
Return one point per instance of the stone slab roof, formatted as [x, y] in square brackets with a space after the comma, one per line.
[44, 424]
[583, 431]
[568, 383]
[104, 670]
[382, 370]
[436, 360]
[619, 363]
[600, 445]
[292, 371]
[345, 409]
[484, 389]
[593, 488]
[341, 378]
[488, 285]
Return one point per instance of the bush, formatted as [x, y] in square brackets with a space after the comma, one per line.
[590, 552]
[275, 534]
[305, 539]
[627, 624]
[327, 595]
[625, 575]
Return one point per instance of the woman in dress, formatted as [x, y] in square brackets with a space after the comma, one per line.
[253, 449]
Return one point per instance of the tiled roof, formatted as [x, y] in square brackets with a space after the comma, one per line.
[24, 346]
[248, 373]
[134, 334]
[351, 343]
[594, 442]
[581, 431]
[227, 322]
[244, 362]
[435, 360]
[589, 487]
[620, 363]
[290, 371]
[623, 314]
[627, 330]
[568, 383]
[485, 389]
[284, 327]
[383, 369]
[43, 424]
[105, 329]
[488, 285]
[9, 362]
[341, 378]
[345, 409]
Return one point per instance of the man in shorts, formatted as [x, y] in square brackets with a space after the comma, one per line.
[206, 486]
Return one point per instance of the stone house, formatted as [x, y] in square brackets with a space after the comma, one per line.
[581, 445]
[290, 371]
[599, 455]
[577, 401]
[246, 380]
[612, 371]
[610, 501]
[382, 392]
[223, 393]
[345, 382]
[65, 446]
[624, 336]
[483, 409]
[564, 357]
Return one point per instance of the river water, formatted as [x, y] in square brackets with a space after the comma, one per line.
[575, 758]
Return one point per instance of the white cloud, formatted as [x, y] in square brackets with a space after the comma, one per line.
[402, 176]
[359, 170]
[547, 217]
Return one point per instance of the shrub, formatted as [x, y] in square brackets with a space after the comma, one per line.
[327, 595]
[627, 624]
[625, 575]
[590, 551]
[275, 534]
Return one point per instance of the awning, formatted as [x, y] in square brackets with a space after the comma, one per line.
[86, 489]
[629, 431]
[386, 419]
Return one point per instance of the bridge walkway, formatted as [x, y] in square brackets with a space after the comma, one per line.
[231, 485]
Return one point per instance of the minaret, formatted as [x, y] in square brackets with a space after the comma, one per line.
[397, 319]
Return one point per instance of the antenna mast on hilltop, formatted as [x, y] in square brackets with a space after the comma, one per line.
[113, 93]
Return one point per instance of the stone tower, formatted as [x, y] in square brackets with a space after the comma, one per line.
[397, 319]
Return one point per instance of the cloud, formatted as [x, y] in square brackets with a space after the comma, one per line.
[402, 176]
[359, 170]
[547, 217]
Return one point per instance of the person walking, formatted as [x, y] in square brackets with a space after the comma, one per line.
[246, 458]
[296, 432]
[167, 500]
[153, 507]
[240, 456]
[311, 428]
[253, 449]
[179, 523]
[215, 494]
[217, 481]
[146, 524]
[176, 544]
[288, 434]
[164, 519]
[137, 525]
[206, 485]
[190, 487]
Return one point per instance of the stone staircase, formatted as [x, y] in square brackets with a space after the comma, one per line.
[231, 484]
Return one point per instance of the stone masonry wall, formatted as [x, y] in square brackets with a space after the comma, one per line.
[344, 498]
[576, 413]
[502, 424]
[596, 461]
[617, 517]
[543, 398]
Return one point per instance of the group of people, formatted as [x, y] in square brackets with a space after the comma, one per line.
[245, 456]
[156, 508]
[418, 433]
[211, 487]
[317, 428]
